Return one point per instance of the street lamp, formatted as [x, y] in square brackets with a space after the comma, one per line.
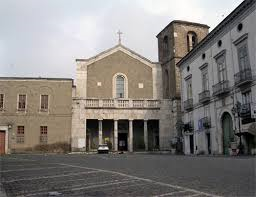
[237, 110]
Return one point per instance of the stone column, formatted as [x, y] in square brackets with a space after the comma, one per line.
[100, 132]
[85, 129]
[130, 146]
[146, 134]
[115, 135]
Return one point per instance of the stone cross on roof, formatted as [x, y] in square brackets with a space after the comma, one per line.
[119, 36]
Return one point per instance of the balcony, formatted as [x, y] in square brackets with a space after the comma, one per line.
[245, 110]
[243, 77]
[188, 104]
[188, 127]
[205, 123]
[204, 96]
[221, 88]
[122, 103]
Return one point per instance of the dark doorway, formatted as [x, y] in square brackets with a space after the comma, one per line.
[208, 143]
[191, 140]
[2, 142]
[122, 142]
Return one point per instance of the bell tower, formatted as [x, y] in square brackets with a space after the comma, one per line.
[174, 42]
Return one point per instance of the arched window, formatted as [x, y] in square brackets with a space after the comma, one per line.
[166, 84]
[191, 40]
[120, 82]
[120, 86]
[166, 46]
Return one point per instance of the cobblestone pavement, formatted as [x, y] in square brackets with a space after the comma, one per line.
[126, 175]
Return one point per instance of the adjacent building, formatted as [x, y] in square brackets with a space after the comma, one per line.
[34, 111]
[218, 87]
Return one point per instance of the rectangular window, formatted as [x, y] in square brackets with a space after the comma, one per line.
[43, 134]
[1, 102]
[189, 88]
[243, 59]
[207, 111]
[222, 70]
[22, 102]
[20, 135]
[205, 79]
[44, 102]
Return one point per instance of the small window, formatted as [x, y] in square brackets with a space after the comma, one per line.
[240, 26]
[20, 135]
[1, 102]
[203, 56]
[22, 102]
[44, 102]
[120, 86]
[43, 134]
[189, 88]
[188, 68]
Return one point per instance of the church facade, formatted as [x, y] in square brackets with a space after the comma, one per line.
[118, 101]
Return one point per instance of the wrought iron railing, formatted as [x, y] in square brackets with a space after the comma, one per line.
[221, 88]
[205, 122]
[204, 96]
[242, 77]
[245, 110]
[188, 126]
[188, 104]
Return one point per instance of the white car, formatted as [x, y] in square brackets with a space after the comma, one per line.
[103, 148]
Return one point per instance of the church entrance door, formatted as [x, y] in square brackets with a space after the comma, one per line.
[122, 142]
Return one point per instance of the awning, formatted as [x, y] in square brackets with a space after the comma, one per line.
[250, 131]
[244, 133]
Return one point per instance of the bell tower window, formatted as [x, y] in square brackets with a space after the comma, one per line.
[192, 40]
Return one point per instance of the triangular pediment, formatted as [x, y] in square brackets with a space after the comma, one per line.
[115, 49]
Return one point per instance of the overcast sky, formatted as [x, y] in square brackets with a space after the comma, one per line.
[43, 38]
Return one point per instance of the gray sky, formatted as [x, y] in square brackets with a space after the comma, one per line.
[43, 38]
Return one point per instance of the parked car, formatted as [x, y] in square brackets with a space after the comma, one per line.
[103, 148]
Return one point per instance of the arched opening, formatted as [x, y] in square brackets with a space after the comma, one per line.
[228, 133]
[166, 84]
[120, 86]
[192, 40]
[166, 46]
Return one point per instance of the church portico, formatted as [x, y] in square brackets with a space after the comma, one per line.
[122, 135]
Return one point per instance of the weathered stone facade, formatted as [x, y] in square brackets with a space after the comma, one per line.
[57, 116]
[172, 46]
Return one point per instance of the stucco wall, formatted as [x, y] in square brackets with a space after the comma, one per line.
[104, 70]
[57, 119]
